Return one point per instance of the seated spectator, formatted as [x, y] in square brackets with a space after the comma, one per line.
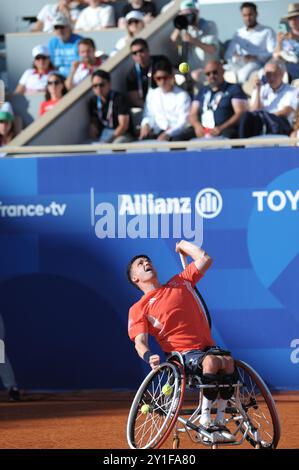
[46, 16]
[288, 41]
[64, 47]
[7, 125]
[108, 110]
[167, 107]
[273, 105]
[251, 46]
[295, 132]
[55, 90]
[87, 64]
[147, 8]
[34, 80]
[217, 108]
[134, 24]
[98, 15]
[199, 40]
[139, 78]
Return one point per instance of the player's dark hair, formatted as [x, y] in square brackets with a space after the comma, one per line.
[139, 42]
[87, 42]
[163, 65]
[130, 266]
[249, 5]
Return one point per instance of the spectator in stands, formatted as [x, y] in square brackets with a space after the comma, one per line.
[139, 78]
[108, 110]
[34, 80]
[199, 40]
[7, 125]
[166, 107]
[46, 16]
[147, 8]
[55, 90]
[64, 47]
[87, 64]
[134, 24]
[98, 15]
[217, 108]
[273, 105]
[251, 46]
[288, 41]
[295, 132]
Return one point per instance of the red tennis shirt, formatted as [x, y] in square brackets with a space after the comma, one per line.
[172, 314]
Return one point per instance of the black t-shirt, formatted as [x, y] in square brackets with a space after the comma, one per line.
[106, 114]
[139, 78]
[147, 8]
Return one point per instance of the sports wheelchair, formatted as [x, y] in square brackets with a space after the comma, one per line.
[250, 414]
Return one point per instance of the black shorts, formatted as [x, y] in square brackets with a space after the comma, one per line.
[193, 359]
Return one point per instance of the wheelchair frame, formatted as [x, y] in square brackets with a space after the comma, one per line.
[155, 413]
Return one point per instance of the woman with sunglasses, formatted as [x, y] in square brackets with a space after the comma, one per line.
[34, 80]
[134, 23]
[55, 90]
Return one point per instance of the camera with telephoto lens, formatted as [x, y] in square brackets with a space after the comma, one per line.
[183, 21]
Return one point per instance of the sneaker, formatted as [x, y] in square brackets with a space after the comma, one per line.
[14, 394]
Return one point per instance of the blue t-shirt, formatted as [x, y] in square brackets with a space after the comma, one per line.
[64, 53]
[220, 101]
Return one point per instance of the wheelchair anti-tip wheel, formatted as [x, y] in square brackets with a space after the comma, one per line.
[156, 406]
[262, 428]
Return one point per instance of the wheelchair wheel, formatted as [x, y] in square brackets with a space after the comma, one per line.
[257, 402]
[156, 406]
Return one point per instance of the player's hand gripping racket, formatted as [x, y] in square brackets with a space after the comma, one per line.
[200, 297]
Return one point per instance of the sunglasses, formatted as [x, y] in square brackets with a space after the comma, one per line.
[159, 78]
[99, 85]
[58, 26]
[212, 72]
[41, 57]
[54, 82]
[133, 21]
[139, 51]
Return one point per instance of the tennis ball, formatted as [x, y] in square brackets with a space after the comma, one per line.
[145, 409]
[167, 390]
[184, 67]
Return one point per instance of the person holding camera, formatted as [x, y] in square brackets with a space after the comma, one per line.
[197, 39]
[273, 104]
[288, 41]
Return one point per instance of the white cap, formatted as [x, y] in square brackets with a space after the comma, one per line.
[135, 15]
[40, 50]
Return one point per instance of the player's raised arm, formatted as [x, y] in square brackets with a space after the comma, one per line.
[202, 260]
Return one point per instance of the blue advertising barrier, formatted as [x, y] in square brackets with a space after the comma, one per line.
[69, 225]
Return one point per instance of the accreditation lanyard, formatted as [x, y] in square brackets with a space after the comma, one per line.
[108, 122]
[140, 79]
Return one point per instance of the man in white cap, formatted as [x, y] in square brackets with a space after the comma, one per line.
[198, 38]
[34, 80]
[63, 48]
[97, 15]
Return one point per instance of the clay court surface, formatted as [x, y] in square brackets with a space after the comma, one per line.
[97, 420]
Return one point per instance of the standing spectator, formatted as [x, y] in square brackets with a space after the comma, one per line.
[64, 47]
[288, 41]
[147, 8]
[48, 13]
[108, 110]
[199, 40]
[34, 80]
[251, 46]
[217, 108]
[7, 125]
[98, 15]
[166, 107]
[55, 90]
[87, 64]
[272, 106]
[134, 24]
[139, 78]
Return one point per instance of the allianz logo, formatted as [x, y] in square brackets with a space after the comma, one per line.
[208, 204]
[276, 200]
[32, 210]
